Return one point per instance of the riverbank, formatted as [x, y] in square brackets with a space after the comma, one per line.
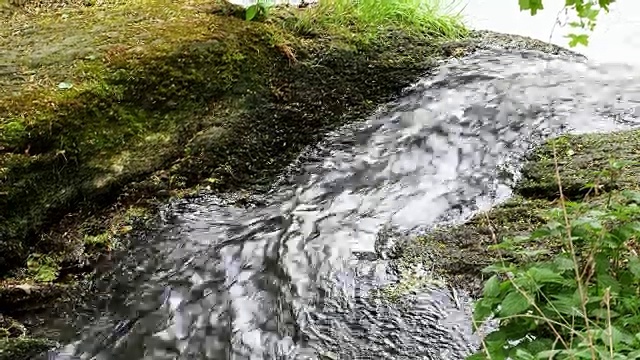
[591, 167]
[100, 121]
[566, 240]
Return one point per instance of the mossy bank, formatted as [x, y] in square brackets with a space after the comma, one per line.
[590, 167]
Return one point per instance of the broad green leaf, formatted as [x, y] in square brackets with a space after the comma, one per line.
[492, 287]
[543, 275]
[563, 263]
[548, 354]
[619, 336]
[632, 195]
[251, 12]
[514, 303]
[498, 268]
[634, 266]
[482, 310]
[607, 281]
[524, 355]
[480, 355]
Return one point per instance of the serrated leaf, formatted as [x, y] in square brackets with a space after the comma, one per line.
[563, 263]
[616, 335]
[548, 354]
[632, 195]
[634, 266]
[544, 276]
[482, 310]
[491, 287]
[524, 355]
[480, 355]
[498, 268]
[514, 303]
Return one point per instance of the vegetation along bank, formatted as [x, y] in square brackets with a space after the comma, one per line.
[557, 265]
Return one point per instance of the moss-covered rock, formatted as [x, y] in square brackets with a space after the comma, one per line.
[23, 348]
[588, 163]
[458, 253]
[119, 101]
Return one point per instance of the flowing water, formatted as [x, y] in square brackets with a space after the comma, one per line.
[291, 277]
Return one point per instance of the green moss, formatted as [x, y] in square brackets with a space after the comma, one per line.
[586, 163]
[457, 253]
[23, 348]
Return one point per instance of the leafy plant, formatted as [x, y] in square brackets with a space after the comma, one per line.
[578, 298]
[433, 18]
[258, 10]
[43, 268]
[587, 12]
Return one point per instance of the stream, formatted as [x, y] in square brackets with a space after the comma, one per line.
[292, 276]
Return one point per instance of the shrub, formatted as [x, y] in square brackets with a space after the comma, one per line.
[573, 290]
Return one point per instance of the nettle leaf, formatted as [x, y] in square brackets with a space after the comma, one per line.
[523, 354]
[566, 305]
[482, 310]
[632, 195]
[601, 313]
[548, 354]
[618, 336]
[608, 281]
[491, 287]
[499, 268]
[634, 355]
[480, 355]
[539, 345]
[544, 275]
[625, 232]
[634, 266]
[563, 263]
[514, 303]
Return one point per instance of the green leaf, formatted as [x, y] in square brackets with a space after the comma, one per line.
[543, 275]
[632, 195]
[617, 335]
[524, 355]
[548, 354]
[482, 310]
[251, 12]
[608, 281]
[491, 287]
[498, 268]
[480, 355]
[634, 266]
[514, 303]
[563, 263]
[575, 40]
[524, 5]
